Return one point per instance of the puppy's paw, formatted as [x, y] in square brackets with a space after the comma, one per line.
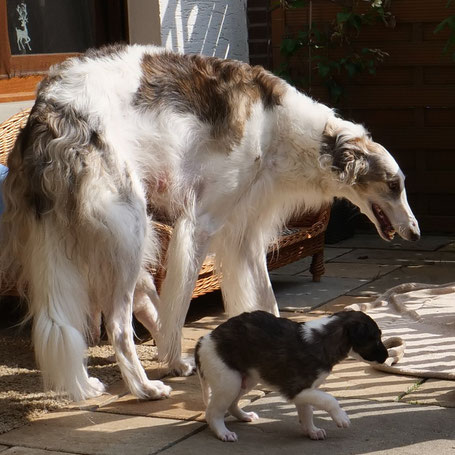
[183, 367]
[316, 434]
[250, 416]
[247, 416]
[340, 418]
[228, 436]
[156, 390]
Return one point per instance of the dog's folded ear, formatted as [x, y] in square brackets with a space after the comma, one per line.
[357, 332]
[344, 150]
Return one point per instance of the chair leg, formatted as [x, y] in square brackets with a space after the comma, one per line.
[317, 266]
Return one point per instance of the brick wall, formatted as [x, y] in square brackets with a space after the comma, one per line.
[259, 33]
[409, 105]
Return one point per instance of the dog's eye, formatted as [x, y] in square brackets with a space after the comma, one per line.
[394, 186]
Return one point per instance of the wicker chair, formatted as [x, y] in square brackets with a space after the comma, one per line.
[303, 237]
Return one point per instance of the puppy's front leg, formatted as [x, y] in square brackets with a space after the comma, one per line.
[324, 401]
[305, 412]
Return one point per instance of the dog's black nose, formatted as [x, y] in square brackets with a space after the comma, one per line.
[414, 231]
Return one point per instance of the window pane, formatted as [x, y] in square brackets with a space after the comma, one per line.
[63, 26]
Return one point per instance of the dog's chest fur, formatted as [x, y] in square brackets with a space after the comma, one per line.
[281, 352]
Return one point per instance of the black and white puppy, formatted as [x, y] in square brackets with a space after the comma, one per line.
[292, 358]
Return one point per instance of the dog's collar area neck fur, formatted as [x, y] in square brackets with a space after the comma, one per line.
[330, 334]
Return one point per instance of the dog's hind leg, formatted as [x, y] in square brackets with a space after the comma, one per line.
[248, 383]
[145, 304]
[122, 260]
[225, 393]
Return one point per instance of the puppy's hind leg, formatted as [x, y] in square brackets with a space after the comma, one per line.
[225, 393]
[248, 383]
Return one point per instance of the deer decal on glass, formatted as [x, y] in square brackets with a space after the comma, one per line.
[23, 39]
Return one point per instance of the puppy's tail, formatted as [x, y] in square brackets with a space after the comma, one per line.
[204, 384]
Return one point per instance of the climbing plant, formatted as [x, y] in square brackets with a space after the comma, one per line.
[316, 43]
[449, 23]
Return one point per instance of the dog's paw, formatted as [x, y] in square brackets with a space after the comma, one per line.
[245, 416]
[183, 367]
[228, 436]
[340, 418]
[156, 390]
[250, 416]
[316, 434]
[95, 388]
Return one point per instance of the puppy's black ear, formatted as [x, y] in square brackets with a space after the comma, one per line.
[348, 156]
[358, 332]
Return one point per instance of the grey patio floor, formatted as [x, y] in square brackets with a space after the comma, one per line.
[389, 414]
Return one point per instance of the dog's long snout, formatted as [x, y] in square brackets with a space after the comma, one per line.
[413, 231]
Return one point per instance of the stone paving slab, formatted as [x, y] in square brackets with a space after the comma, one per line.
[392, 257]
[2, 448]
[426, 242]
[435, 274]
[298, 293]
[450, 247]
[355, 379]
[208, 322]
[339, 304]
[304, 264]
[99, 433]
[31, 451]
[376, 427]
[435, 392]
[113, 393]
[185, 402]
[354, 270]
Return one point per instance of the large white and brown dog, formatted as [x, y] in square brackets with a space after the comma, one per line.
[227, 151]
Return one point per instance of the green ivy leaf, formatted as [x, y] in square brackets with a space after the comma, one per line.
[298, 4]
[288, 46]
[356, 21]
[343, 17]
[323, 69]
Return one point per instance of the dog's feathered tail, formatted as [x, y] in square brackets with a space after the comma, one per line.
[37, 252]
[59, 305]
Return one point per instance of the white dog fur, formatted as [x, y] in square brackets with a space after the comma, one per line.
[227, 151]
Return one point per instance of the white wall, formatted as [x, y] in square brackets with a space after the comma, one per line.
[215, 28]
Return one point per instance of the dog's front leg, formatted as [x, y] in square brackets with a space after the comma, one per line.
[187, 250]
[305, 412]
[246, 284]
[322, 400]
